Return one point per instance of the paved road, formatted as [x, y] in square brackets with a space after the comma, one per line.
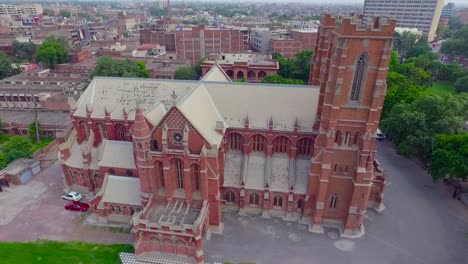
[421, 224]
[35, 211]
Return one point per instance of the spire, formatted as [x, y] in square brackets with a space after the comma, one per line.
[140, 128]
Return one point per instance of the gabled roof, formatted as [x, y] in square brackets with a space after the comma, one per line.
[119, 94]
[204, 103]
[216, 74]
[201, 112]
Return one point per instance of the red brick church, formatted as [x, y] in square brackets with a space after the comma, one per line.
[167, 155]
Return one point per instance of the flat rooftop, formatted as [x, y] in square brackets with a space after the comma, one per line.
[45, 118]
[249, 58]
[176, 213]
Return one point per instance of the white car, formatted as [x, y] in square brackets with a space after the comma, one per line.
[72, 196]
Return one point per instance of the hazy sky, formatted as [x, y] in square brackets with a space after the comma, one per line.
[328, 2]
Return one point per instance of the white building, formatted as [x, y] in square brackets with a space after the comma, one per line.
[260, 39]
[24, 9]
[421, 14]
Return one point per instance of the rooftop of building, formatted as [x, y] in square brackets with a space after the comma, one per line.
[116, 154]
[175, 213]
[19, 165]
[206, 104]
[122, 190]
[27, 117]
[248, 58]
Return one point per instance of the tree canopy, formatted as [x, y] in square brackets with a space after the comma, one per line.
[276, 78]
[158, 12]
[107, 66]
[461, 85]
[457, 45]
[412, 117]
[404, 41]
[412, 126]
[24, 50]
[185, 73]
[53, 51]
[65, 13]
[297, 67]
[449, 157]
[7, 66]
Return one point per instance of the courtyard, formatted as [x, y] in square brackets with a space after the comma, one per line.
[421, 224]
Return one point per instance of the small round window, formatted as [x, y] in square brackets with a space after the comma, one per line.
[177, 138]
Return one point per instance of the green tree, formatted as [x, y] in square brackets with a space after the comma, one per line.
[455, 23]
[413, 126]
[443, 32]
[461, 85]
[450, 72]
[52, 51]
[404, 41]
[301, 65]
[108, 66]
[65, 13]
[396, 95]
[449, 157]
[158, 12]
[19, 146]
[7, 67]
[3, 160]
[275, 78]
[457, 45]
[198, 67]
[144, 72]
[185, 73]
[240, 80]
[418, 50]
[24, 50]
[32, 129]
[415, 75]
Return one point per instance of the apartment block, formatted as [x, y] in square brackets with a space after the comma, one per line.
[198, 42]
[421, 14]
[297, 41]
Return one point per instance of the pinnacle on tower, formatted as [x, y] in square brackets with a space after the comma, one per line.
[140, 128]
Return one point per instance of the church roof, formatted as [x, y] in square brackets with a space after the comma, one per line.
[206, 103]
[122, 190]
[116, 155]
[216, 74]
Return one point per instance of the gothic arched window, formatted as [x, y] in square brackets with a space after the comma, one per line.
[359, 72]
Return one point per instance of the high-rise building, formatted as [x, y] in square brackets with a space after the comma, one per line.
[448, 10]
[421, 14]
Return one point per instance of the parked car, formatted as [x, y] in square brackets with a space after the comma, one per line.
[77, 206]
[379, 135]
[72, 196]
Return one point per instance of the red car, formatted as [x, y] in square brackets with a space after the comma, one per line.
[77, 206]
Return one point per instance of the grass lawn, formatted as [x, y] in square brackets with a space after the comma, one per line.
[44, 142]
[51, 252]
[438, 88]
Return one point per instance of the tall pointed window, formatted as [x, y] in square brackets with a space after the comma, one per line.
[180, 174]
[102, 130]
[359, 72]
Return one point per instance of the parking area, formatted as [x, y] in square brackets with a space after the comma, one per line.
[35, 210]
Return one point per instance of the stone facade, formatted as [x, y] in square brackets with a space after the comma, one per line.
[187, 149]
